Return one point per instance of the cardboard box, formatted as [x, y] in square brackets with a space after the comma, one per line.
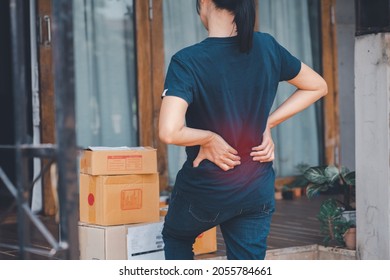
[206, 242]
[132, 242]
[163, 210]
[120, 199]
[118, 160]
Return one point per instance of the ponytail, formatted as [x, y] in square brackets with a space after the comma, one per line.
[244, 18]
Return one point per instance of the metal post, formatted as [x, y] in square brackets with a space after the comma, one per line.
[64, 87]
[18, 35]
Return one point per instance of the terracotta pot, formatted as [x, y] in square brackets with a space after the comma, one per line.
[350, 238]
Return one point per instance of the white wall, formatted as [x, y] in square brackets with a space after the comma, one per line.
[372, 98]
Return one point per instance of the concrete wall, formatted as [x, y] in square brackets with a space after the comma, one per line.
[345, 26]
[372, 98]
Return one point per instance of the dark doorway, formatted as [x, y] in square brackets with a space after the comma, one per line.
[7, 162]
[7, 121]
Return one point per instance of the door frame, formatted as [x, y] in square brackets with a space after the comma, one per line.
[150, 79]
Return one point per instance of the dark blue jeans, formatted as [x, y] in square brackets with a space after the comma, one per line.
[245, 230]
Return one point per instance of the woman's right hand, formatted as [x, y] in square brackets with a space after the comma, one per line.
[218, 151]
[266, 151]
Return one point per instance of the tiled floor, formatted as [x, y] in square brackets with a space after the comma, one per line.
[294, 224]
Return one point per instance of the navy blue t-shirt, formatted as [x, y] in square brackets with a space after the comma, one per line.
[230, 93]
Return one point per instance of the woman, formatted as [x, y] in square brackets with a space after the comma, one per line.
[217, 101]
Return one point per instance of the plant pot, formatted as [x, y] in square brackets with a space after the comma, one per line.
[350, 216]
[350, 238]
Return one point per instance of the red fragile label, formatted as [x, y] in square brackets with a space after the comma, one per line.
[91, 199]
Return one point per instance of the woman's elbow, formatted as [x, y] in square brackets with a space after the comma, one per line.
[166, 135]
[323, 88]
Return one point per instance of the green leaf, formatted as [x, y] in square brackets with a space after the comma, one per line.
[314, 190]
[350, 178]
[332, 173]
[330, 209]
[344, 170]
[302, 167]
[332, 224]
[316, 175]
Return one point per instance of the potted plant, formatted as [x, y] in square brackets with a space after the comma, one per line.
[330, 178]
[336, 216]
[332, 224]
[349, 237]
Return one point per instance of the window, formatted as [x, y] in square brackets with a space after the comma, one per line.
[105, 63]
[296, 25]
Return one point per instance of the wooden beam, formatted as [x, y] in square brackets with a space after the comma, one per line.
[329, 62]
[46, 96]
[150, 73]
[158, 73]
[144, 73]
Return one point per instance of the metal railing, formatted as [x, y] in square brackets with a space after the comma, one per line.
[63, 154]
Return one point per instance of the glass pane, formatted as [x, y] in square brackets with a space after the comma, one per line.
[106, 105]
[295, 25]
[182, 28]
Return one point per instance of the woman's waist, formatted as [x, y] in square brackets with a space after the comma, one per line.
[247, 169]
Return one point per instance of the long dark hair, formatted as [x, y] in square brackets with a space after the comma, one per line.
[244, 18]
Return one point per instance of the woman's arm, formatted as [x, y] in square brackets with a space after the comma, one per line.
[310, 88]
[172, 130]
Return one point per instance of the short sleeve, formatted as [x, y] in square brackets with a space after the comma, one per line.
[289, 64]
[179, 81]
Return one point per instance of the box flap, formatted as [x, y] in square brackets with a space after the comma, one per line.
[122, 148]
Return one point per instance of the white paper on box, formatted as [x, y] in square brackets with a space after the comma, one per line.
[144, 241]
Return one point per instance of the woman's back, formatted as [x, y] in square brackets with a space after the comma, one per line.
[230, 93]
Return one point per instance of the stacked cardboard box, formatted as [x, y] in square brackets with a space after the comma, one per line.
[120, 216]
[119, 198]
[142, 241]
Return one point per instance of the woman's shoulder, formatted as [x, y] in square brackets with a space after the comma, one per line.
[188, 53]
[263, 37]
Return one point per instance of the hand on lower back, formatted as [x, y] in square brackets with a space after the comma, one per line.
[264, 152]
[218, 151]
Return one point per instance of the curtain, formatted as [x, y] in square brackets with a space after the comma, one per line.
[182, 28]
[106, 105]
[297, 140]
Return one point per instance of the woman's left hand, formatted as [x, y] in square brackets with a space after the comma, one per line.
[264, 152]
